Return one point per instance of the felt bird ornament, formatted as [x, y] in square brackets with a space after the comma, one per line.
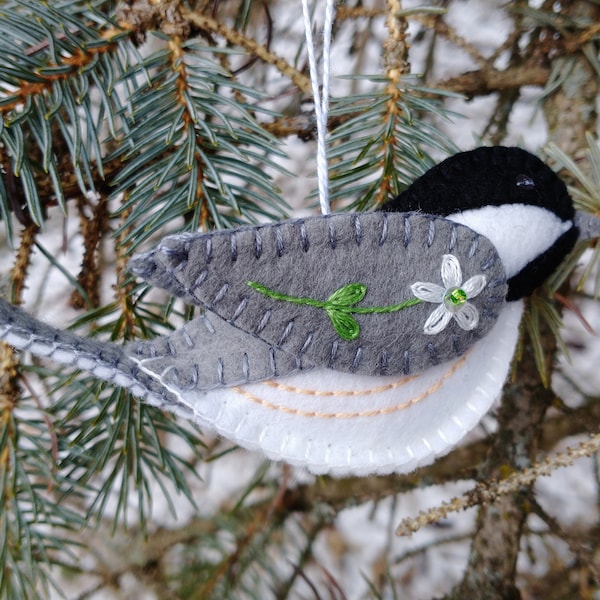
[347, 343]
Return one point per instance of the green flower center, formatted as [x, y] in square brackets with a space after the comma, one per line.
[455, 298]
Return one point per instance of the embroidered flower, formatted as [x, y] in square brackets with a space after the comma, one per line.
[453, 297]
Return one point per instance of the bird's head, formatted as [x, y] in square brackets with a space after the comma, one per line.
[509, 196]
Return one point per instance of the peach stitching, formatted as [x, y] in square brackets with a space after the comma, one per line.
[320, 393]
[353, 415]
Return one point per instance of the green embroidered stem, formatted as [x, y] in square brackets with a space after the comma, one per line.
[340, 306]
[259, 287]
[377, 310]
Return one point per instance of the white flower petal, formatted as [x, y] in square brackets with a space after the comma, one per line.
[474, 286]
[468, 317]
[451, 271]
[437, 320]
[428, 292]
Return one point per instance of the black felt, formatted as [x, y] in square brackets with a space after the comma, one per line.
[494, 176]
[487, 176]
[538, 270]
[315, 257]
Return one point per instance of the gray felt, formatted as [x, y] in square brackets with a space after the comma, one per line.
[313, 258]
[208, 352]
[104, 360]
[588, 225]
[245, 336]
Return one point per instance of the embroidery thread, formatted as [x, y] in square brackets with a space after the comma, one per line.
[340, 306]
[452, 297]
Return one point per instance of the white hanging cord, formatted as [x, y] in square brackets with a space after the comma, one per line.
[320, 95]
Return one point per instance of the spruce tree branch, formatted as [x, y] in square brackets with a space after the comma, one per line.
[395, 46]
[22, 261]
[488, 492]
[9, 361]
[9, 395]
[236, 38]
[141, 16]
[395, 61]
[440, 27]
[74, 63]
[344, 13]
[582, 550]
[148, 556]
[69, 183]
[92, 229]
[489, 80]
[496, 543]
[136, 552]
[124, 286]
[570, 42]
[495, 547]
[431, 22]
[11, 467]
[183, 98]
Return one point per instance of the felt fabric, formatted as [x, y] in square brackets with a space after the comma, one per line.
[540, 268]
[487, 176]
[311, 346]
[339, 423]
[491, 177]
[207, 353]
[104, 360]
[313, 258]
[520, 232]
[588, 225]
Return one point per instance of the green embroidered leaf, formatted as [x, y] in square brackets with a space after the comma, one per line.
[348, 295]
[344, 324]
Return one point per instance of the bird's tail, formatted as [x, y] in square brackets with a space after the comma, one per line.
[104, 360]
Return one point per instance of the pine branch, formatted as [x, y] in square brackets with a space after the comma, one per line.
[190, 149]
[46, 108]
[237, 39]
[491, 491]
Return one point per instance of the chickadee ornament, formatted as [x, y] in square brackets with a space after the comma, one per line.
[348, 343]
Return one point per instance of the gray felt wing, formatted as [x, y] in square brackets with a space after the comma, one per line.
[208, 353]
[326, 290]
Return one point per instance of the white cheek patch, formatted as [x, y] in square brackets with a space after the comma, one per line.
[520, 232]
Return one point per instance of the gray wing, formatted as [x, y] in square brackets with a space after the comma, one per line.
[227, 273]
[209, 353]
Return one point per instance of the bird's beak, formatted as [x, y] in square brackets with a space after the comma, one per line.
[588, 224]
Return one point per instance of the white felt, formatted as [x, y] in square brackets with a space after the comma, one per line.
[101, 360]
[520, 232]
[339, 423]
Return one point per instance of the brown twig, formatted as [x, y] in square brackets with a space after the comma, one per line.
[489, 492]
[236, 38]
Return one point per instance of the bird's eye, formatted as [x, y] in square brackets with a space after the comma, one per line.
[525, 182]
